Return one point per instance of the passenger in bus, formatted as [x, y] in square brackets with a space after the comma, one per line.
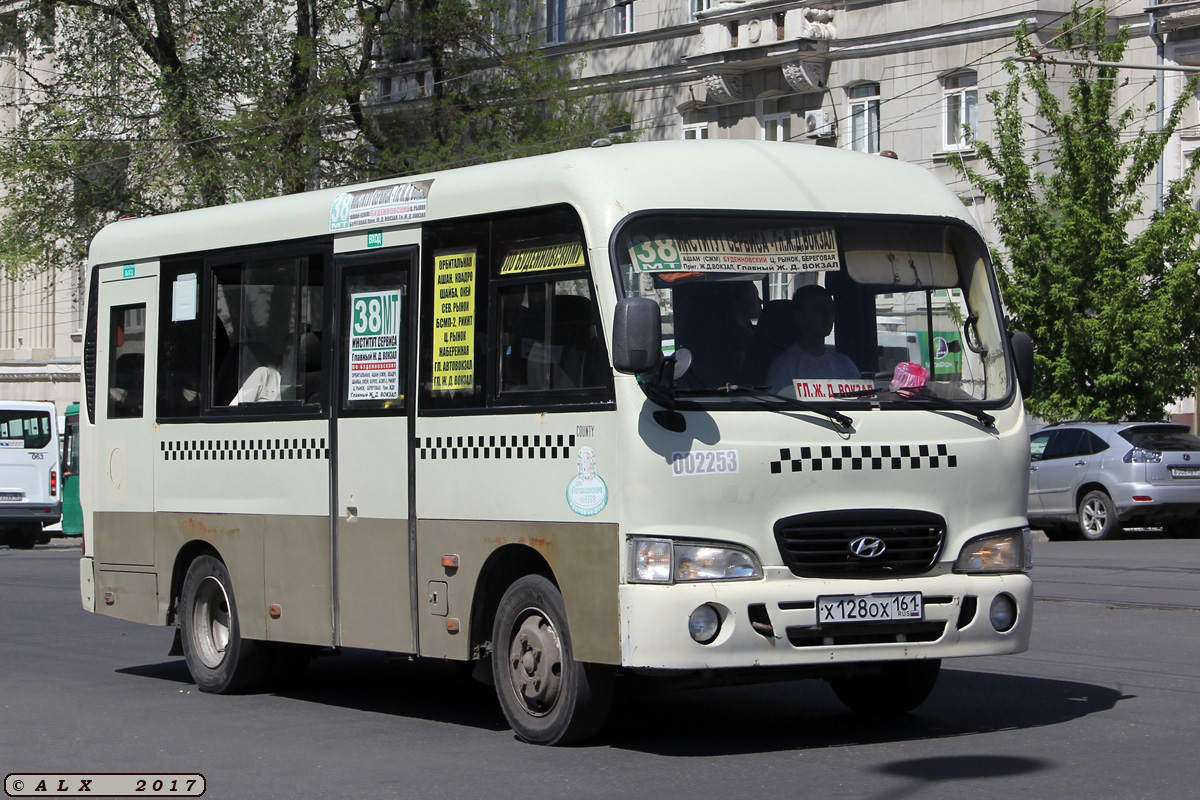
[774, 333]
[264, 384]
[125, 391]
[746, 307]
[810, 357]
[715, 322]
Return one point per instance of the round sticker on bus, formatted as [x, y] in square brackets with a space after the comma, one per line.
[587, 493]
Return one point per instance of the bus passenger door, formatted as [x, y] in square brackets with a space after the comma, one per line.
[372, 401]
[124, 488]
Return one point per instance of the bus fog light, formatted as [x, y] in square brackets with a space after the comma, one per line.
[1003, 613]
[704, 624]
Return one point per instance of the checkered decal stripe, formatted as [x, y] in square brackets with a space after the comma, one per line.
[245, 450]
[449, 448]
[864, 457]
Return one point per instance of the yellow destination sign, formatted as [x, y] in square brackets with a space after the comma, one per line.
[546, 257]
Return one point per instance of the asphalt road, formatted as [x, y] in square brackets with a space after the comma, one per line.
[1103, 706]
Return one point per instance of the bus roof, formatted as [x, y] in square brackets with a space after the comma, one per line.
[28, 405]
[604, 183]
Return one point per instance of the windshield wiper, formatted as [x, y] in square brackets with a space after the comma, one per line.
[923, 396]
[771, 401]
[663, 389]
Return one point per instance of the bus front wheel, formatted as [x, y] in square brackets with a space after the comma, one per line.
[217, 656]
[547, 696]
[897, 688]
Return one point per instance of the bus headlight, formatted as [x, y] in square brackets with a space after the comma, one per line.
[1010, 551]
[668, 561]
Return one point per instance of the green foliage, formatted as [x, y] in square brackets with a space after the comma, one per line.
[1108, 296]
[152, 106]
[494, 90]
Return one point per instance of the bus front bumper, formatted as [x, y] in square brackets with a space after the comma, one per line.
[773, 622]
[87, 583]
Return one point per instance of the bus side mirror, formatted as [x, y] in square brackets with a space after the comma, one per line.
[1022, 350]
[637, 335]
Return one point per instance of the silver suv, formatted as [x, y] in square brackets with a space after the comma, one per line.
[1090, 479]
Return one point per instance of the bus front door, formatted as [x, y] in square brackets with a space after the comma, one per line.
[124, 489]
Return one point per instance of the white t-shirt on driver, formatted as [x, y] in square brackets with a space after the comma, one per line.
[797, 363]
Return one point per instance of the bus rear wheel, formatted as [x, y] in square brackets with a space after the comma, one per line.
[218, 658]
[547, 696]
[24, 536]
[898, 687]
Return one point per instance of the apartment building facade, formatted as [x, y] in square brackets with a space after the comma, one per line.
[41, 313]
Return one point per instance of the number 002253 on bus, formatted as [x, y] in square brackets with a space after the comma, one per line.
[870, 607]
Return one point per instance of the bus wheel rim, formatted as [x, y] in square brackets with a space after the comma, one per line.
[211, 622]
[535, 663]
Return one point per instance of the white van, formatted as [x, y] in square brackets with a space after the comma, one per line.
[30, 495]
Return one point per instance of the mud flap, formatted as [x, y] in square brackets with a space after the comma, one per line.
[176, 644]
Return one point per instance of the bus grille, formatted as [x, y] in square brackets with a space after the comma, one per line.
[819, 544]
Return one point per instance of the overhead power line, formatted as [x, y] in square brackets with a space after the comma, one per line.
[1075, 62]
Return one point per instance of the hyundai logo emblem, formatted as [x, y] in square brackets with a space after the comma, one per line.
[868, 547]
[1187, 457]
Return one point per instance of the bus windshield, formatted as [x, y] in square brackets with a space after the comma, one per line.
[813, 308]
[24, 429]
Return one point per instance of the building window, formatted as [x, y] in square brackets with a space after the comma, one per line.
[556, 21]
[960, 110]
[696, 131]
[1189, 125]
[696, 6]
[622, 16]
[776, 116]
[864, 117]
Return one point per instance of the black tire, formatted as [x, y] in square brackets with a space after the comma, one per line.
[547, 696]
[1097, 517]
[25, 536]
[898, 688]
[1059, 533]
[1188, 529]
[219, 659]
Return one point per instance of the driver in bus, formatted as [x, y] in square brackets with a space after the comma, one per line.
[809, 356]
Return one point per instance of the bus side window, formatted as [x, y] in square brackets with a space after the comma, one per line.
[127, 361]
[453, 358]
[179, 340]
[374, 371]
[550, 338]
[266, 331]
